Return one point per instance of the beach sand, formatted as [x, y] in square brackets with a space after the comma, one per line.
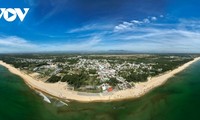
[59, 90]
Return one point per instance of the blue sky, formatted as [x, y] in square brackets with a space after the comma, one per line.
[100, 25]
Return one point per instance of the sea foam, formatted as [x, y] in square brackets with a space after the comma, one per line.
[45, 98]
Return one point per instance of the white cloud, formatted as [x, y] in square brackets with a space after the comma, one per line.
[90, 27]
[161, 16]
[153, 18]
[136, 22]
[84, 28]
[128, 26]
[171, 40]
[56, 6]
[189, 24]
[146, 20]
[137, 36]
[125, 26]
[180, 37]
[16, 44]
[77, 46]
[14, 41]
[127, 23]
[84, 44]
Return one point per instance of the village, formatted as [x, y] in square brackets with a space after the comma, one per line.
[97, 74]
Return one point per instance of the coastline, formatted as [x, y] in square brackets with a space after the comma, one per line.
[59, 90]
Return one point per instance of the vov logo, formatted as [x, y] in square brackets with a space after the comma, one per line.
[10, 14]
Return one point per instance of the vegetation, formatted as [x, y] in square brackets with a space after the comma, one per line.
[92, 71]
[69, 67]
[75, 79]
[113, 82]
[54, 79]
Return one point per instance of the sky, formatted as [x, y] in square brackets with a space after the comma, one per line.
[155, 26]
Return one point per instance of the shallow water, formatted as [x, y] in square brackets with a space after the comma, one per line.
[178, 99]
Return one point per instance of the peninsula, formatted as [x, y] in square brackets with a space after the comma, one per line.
[129, 89]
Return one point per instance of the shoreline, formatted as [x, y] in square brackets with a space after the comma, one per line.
[59, 90]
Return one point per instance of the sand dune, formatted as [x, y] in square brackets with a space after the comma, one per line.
[60, 90]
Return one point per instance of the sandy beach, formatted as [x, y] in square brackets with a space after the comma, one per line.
[60, 90]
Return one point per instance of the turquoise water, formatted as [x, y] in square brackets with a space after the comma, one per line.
[178, 99]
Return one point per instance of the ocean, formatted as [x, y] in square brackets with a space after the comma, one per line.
[178, 99]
